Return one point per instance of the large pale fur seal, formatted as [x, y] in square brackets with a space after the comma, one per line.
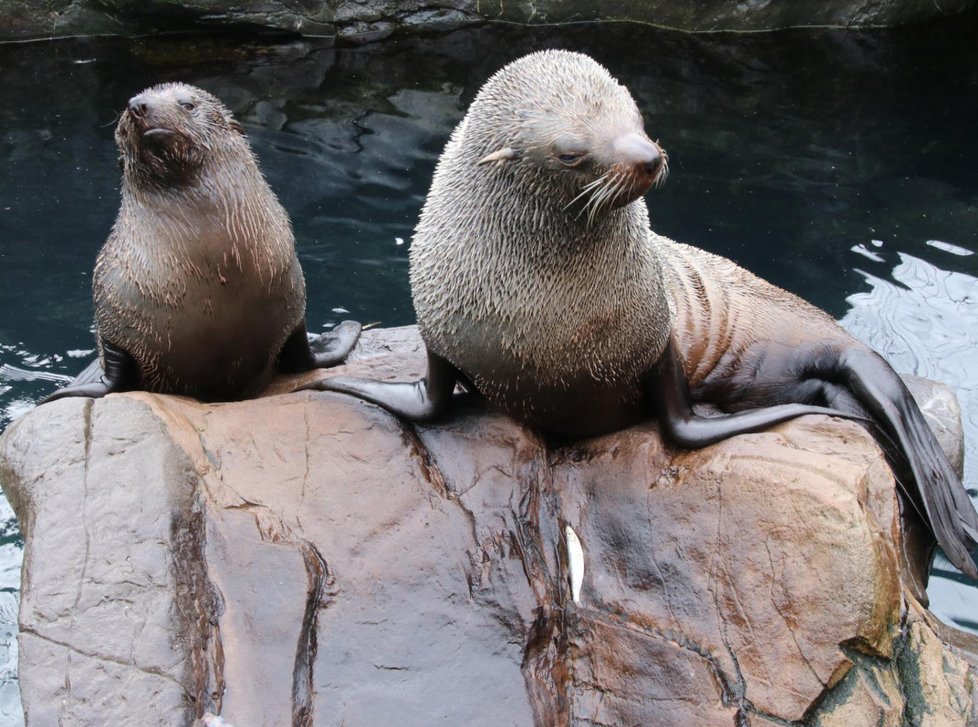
[538, 282]
[198, 290]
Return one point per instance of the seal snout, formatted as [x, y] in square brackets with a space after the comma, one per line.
[162, 136]
[139, 106]
[149, 113]
[145, 109]
[642, 156]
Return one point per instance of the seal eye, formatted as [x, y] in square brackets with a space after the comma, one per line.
[188, 105]
[571, 158]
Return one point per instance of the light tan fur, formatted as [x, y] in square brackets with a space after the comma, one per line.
[518, 292]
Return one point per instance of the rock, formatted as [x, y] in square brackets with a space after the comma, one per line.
[306, 558]
[369, 20]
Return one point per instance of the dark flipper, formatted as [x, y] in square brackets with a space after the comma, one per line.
[947, 506]
[418, 401]
[858, 383]
[120, 374]
[667, 388]
[329, 349]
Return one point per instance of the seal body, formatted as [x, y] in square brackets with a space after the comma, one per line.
[504, 250]
[731, 325]
[197, 289]
[538, 282]
[554, 307]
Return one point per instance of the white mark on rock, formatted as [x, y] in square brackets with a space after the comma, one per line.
[575, 563]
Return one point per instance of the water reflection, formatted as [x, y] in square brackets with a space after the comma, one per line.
[830, 163]
[11, 557]
[925, 319]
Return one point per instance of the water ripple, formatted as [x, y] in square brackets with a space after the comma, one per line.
[925, 321]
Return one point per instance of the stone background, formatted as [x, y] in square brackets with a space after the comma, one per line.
[362, 20]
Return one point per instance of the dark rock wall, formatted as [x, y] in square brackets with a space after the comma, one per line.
[370, 19]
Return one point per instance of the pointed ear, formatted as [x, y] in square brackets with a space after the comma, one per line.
[234, 125]
[506, 154]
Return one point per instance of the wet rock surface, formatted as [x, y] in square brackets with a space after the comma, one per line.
[305, 558]
[367, 20]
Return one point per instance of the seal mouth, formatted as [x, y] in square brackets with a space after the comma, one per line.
[158, 132]
[618, 187]
[157, 140]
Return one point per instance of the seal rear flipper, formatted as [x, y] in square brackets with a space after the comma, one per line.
[115, 371]
[91, 374]
[947, 507]
[323, 351]
[418, 401]
[667, 388]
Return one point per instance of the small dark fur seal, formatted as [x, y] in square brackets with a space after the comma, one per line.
[198, 290]
[538, 282]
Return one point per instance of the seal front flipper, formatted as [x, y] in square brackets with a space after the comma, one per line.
[947, 506]
[667, 387]
[418, 401]
[333, 347]
[329, 349]
[115, 371]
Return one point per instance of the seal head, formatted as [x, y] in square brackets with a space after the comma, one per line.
[577, 130]
[157, 145]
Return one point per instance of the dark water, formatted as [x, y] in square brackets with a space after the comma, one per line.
[841, 166]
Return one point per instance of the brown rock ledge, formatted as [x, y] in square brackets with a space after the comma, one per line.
[306, 558]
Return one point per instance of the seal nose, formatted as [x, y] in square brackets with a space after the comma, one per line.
[138, 106]
[652, 165]
[638, 150]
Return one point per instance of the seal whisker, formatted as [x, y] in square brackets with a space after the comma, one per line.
[587, 189]
[588, 209]
[594, 201]
[660, 178]
[613, 192]
[604, 198]
[113, 122]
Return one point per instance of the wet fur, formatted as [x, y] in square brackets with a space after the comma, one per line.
[198, 280]
[557, 317]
